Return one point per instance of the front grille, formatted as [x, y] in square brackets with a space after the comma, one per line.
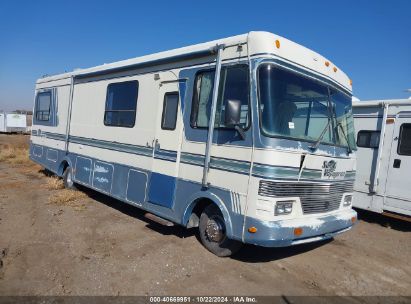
[315, 197]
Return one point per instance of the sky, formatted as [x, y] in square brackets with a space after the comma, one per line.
[368, 40]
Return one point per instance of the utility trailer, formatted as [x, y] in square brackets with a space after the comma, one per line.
[13, 123]
[383, 132]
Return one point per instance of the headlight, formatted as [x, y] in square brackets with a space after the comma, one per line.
[347, 200]
[284, 207]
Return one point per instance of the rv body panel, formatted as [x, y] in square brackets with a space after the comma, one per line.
[383, 183]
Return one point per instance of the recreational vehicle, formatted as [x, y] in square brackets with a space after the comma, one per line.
[383, 182]
[13, 123]
[249, 138]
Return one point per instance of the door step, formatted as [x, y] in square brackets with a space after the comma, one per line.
[158, 219]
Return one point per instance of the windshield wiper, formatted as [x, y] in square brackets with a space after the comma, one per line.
[349, 149]
[317, 142]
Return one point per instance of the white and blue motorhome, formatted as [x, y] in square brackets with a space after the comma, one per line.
[249, 138]
[383, 181]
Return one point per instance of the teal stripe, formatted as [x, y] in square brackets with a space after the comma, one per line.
[232, 165]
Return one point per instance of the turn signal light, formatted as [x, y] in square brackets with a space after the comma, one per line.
[252, 230]
[277, 43]
[389, 121]
[353, 219]
[298, 231]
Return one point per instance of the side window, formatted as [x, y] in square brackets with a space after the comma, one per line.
[368, 139]
[43, 106]
[121, 104]
[170, 107]
[404, 144]
[234, 84]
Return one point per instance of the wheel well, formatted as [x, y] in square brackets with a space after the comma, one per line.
[199, 206]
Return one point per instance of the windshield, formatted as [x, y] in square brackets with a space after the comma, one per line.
[298, 107]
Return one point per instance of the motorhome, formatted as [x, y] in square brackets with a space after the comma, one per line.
[13, 122]
[383, 135]
[249, 138]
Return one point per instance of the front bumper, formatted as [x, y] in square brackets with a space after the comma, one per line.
[314, 228]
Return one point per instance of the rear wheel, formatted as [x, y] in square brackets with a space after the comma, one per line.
[68, 179]
[213, 233]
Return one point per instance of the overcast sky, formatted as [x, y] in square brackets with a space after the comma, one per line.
[369, 40]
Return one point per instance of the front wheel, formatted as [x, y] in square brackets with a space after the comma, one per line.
[213, 233]
[68, 179]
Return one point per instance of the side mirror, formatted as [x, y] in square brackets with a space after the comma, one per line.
[233, 115]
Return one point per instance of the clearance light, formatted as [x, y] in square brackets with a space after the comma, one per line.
[335, 69]
[252, 229]
[327, 63]
[389, 121]
[277, 43]
[298, 231]
[350, 82]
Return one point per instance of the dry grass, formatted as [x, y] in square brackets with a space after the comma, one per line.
[14, 155]
[54, 183]
[69, 198]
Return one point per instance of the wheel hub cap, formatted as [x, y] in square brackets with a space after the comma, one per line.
[214, 230]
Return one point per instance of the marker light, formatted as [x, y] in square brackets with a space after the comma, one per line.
[350, 82]
[327, 63]
[277, 43]
[252, 230]
[353, 219]
[389, 121]
[347, 200]
[284, 207]
[335, 69]
[298, 231]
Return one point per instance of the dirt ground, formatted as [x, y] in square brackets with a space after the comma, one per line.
[54, 242]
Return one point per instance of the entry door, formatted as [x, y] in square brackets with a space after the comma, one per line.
[166, 148]
[398, 189]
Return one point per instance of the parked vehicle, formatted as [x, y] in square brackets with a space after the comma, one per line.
[384, 156]
[249, 138]
[12, 123]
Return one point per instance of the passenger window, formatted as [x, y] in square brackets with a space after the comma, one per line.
[43, 106]
[234, 84]
[404, 144]
[170, 107]
[368, 139]
[121, 104]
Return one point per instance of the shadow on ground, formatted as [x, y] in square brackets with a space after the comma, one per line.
[385, 221]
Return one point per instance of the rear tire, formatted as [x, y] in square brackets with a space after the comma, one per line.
[213, 233]
[68, 179]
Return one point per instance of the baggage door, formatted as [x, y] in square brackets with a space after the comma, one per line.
[398, 189]
[167, 142]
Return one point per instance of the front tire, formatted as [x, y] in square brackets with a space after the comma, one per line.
[213, 233]
[68, 179]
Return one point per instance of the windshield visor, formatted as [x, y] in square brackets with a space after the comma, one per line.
[297, 107]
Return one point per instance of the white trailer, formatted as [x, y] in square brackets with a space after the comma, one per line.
[383, 182]
[13, 123]
[249, 138]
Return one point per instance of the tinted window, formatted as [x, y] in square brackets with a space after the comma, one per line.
[234, 84]
[170, 107]
[368, 139]
[404, 145]
[43, 106]
[121, 103]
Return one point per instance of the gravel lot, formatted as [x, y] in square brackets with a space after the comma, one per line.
[94, 245]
